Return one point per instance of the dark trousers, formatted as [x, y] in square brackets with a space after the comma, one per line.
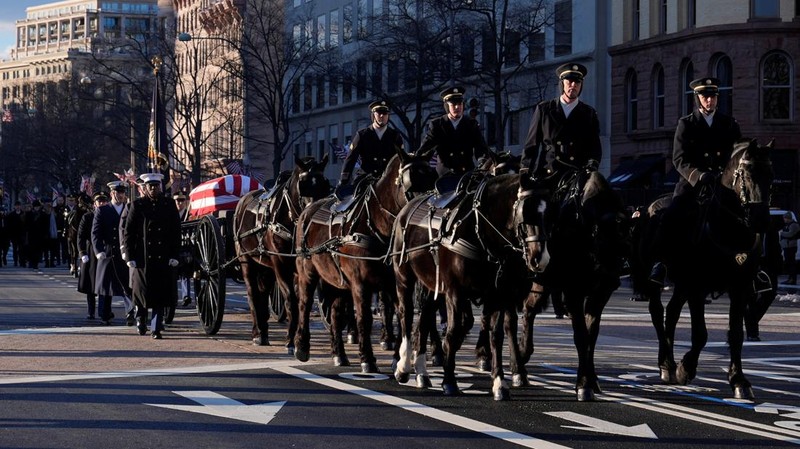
[104, 307]
[156, 321]
[91, 304]
[789, 263]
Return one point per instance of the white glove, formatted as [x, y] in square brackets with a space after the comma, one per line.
[124, 256]
[132, 264]
[85, 258]
[173, 263]
[101, 255]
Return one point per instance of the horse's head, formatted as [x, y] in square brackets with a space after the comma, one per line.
[414, 172]
[529, 219]
[311, 181]
[749, 175]
[499, 163]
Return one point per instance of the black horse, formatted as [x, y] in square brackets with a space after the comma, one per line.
[346, 249]
[263, 226]
[720, 253]
[470, 249]
[586, 247]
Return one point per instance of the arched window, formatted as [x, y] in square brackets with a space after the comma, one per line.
[631, 101]
[776, 87]
[658, 96]
[723, 69]
[687, 95]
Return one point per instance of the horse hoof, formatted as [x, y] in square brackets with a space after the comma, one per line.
[683, 376]
[301, 355]
[423, 381]
[261, 340]
[340, 361]
[502, 395]
[401, 377]
[668, 376]
[437, 360]
[585, 394]
[450, 390]
[387, 345]
[520, 380]
[743, 393]
[368, 368]
[484, 365]
[290, 349]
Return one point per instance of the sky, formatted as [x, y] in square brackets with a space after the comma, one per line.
[10, 12]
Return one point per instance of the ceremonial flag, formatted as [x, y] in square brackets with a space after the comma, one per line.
[234, 168]
[157, 142]
[339, 151]
[87, 185]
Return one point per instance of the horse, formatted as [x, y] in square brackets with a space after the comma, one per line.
[721, 255]
[467, 249]
[264, 224]
[586, 245]
[346, 249]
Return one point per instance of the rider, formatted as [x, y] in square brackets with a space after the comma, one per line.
[372, 146]
[702, 147]
[456, 139]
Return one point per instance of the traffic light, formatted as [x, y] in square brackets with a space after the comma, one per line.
[473, 108]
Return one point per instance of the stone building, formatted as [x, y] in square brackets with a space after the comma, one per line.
[659, 46]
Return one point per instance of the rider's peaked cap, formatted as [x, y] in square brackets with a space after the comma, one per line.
[118, 186]
[571, 71]
[453, 94]
[379, 106]
[705, 86]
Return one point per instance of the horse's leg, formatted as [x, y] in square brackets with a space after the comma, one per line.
[405, 285]
[255, 278]
[306, 285]
[436, 347]
[338, 323]
[500, 389]
[574, 303]
[656, 309]
[742, 389]
[386, 303]
[594, 307]
[362, 304]
[533, 305]
[286, 281]
[687, 369]
[483, 348]
[672, 314]
[453, 340]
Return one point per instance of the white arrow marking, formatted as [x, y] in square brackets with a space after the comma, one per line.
[599, 425]
[218, 405]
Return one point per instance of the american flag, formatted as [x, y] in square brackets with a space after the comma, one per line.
[235, 168]
[7, 116]
[340, 151]
[87, 185]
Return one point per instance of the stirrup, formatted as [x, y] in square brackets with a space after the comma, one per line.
[762, 282]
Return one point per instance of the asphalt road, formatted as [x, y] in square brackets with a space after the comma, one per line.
[66, 382]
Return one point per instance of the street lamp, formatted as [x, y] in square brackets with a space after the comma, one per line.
[186, 37]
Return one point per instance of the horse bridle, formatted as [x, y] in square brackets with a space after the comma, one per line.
[738, 176]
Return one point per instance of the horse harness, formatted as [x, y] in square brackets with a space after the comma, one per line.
[263, 208]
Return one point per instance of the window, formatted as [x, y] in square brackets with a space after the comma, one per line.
[347, 24]
[631, 101]
[776, 87]
[635, 20]
[762, 9]
[563, 28]
[308, 83]
[536, 47]
[377, 75]
[662, 17]
[687, 94]
[333, 90]
[691, 13]
[393, 75]
[320, 98]
[321, 32]
[363, 12]
[723, 69]
[333, 40]
[361, 79]
[658, 97]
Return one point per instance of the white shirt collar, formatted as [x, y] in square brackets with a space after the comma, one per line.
[568, 107]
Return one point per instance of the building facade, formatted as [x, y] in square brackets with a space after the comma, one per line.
[660, 46]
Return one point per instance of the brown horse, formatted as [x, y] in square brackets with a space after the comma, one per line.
[347, 250]
[472, 249]
[263, 227]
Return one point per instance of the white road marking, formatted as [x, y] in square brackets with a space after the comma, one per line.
[218, 405]
[424, 410]
[603, 426]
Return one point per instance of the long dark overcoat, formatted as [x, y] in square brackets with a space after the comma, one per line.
[112, 273]
[88, 272]
[152, 237]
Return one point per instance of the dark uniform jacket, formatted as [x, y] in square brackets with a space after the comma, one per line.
[553, 138]
[112, 273]
[699, 149]
[455, 147]
[373, 152]
[152, 237]
[86, 280]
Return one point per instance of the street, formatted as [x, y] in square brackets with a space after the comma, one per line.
[67, 382]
